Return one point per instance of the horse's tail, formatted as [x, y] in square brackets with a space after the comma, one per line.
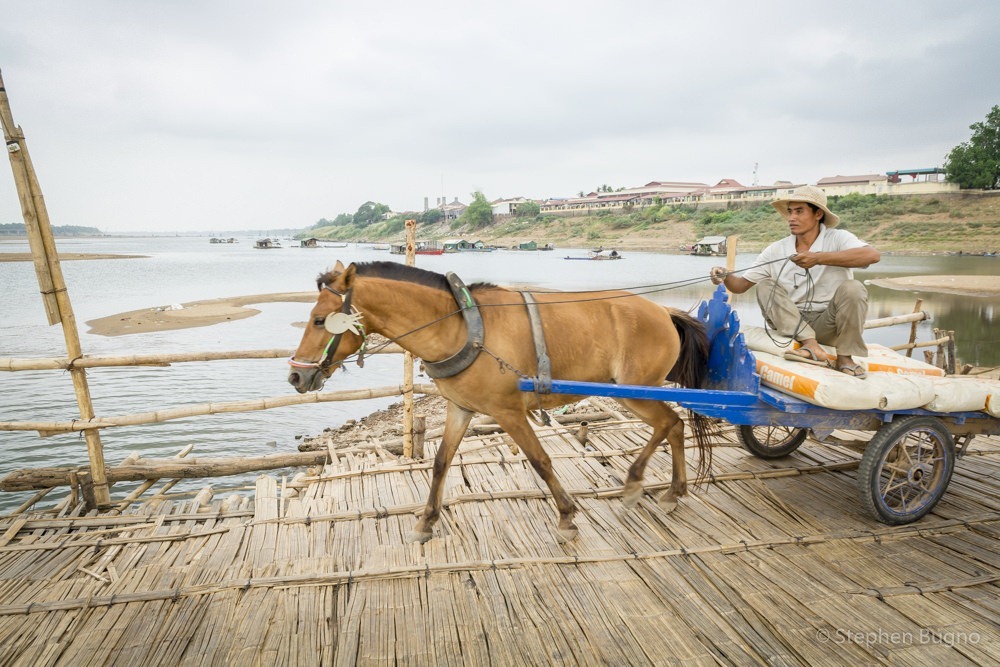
[689, 371]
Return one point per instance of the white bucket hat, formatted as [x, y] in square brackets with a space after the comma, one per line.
[811, 195]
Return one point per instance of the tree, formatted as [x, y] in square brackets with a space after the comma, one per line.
[479, 213]
[370, 212]
[528, 209]
[431, 216]
[976, 162]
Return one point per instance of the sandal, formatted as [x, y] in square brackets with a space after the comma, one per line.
[854, 371]
[808, 358]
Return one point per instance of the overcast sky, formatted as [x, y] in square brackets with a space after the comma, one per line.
[201, 115]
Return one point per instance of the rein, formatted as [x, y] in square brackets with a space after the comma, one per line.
[470, 311]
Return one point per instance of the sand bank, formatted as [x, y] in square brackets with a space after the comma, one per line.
[193, 314]
[985, 286]
[65, 256]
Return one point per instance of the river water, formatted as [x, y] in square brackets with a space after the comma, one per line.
[183, 269]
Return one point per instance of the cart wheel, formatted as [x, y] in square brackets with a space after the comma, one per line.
[771, 442]
[906, 468]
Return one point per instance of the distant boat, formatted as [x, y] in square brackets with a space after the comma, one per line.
[380, 246]
[599, 254]
[320, 243]
[267, 244]
[422, 248]
[710, 245]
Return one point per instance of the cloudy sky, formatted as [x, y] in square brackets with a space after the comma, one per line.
[212, 115]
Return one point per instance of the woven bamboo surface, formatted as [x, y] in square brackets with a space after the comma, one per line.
[770, 562]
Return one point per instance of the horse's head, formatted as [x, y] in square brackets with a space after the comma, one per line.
[334, 331]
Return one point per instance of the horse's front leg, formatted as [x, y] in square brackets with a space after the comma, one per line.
[665, 424]
[517, 427]
[456, 423]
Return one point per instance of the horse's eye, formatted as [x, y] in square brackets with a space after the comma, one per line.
[319, 321]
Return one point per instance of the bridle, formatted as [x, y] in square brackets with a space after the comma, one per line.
[348, 318]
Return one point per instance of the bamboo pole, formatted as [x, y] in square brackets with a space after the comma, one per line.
[731, 242]
[145, 486]
[913, 328]
[896, 319]
[62, 363]
[51, 428]
[14, 140]
[38, 227]
[411, 256]
[30, 479]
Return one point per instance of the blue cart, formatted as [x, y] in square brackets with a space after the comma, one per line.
[905, 468]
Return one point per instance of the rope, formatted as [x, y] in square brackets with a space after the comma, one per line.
[632, 292]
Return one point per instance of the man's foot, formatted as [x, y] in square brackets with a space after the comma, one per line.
[848, 366]
[806, 356]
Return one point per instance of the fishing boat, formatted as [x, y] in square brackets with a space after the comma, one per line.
[710, 245]
[599, 254]
[320, 243]
[267, 244]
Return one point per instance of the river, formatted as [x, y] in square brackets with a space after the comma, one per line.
[184, 269]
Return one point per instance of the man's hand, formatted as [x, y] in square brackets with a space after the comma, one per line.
[718, 275]
[806, 260]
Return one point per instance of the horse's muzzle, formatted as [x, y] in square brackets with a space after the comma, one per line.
[306, 379]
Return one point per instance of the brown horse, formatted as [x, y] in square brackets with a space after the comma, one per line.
[592, 337]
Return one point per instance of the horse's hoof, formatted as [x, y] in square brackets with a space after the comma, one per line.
[632, 494]
[565, 535]
[667, 503]
[417, 537]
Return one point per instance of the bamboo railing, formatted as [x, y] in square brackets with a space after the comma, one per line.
[50, 281]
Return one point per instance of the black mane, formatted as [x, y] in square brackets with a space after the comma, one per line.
[397, 271]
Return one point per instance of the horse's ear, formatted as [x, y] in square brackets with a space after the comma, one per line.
[338, 267]
[348, 276]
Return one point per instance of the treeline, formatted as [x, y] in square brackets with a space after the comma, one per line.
[18, 229]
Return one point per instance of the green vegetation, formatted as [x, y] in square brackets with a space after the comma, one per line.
[976, 162]
[18, 229]
[478, 214]
[948, 222]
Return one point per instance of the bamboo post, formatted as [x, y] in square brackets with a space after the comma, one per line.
[52, 285]
[731, 253]
[952, 362]
[419, 433]
[913, 328]
[411, 257]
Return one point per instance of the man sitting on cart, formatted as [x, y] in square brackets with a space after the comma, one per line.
[811, 296]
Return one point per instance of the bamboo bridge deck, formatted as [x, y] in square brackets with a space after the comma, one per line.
[770, 562]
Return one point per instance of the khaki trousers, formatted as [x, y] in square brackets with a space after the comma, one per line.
[840, 325]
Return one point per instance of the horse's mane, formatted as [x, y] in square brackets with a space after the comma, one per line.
[397, 271]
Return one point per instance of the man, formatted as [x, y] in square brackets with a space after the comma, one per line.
[812, 295]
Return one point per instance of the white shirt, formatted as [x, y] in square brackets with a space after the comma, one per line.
[813, 289]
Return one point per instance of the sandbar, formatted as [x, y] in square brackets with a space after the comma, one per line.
[193, 314]
[985, 286]
[66, 256]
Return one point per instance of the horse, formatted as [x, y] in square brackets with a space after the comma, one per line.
[606, 336]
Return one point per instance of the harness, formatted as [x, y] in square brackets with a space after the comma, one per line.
[544, 383]
[475, 333]
[346, 319]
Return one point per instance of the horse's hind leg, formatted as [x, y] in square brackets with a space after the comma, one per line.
[665, 424]
[518, 428]
[455, 425]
